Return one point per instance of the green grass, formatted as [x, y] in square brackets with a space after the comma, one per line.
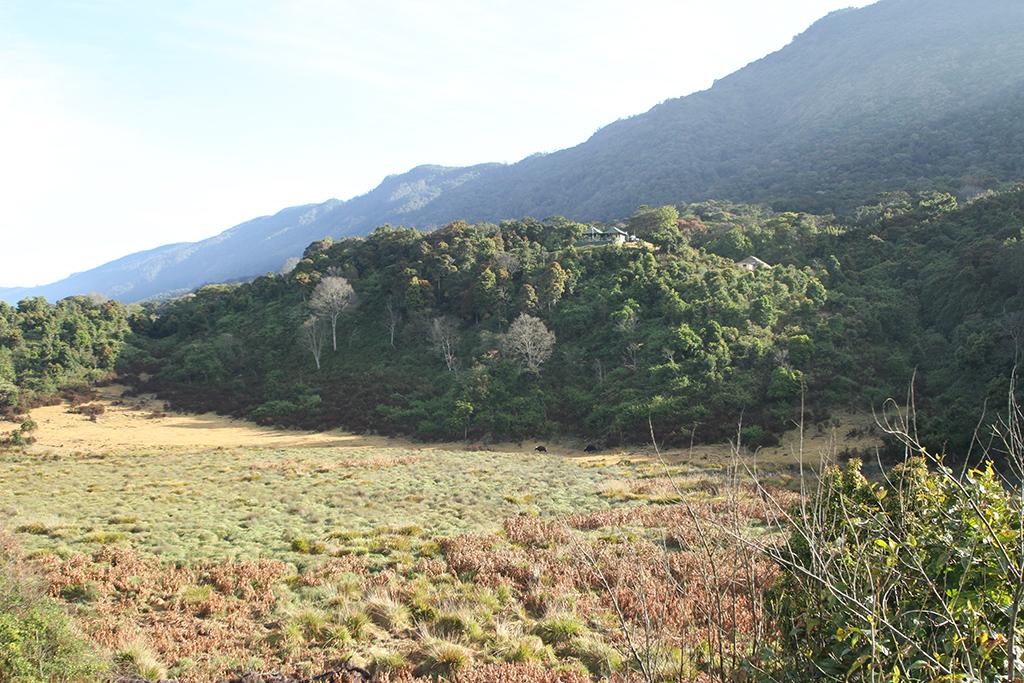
[38, 641]
[380, 524]
[277, 503]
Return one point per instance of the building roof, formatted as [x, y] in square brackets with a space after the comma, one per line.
[607, 234]
[753, 262]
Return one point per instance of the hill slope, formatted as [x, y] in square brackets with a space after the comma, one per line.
[911, 94]
[920, 286]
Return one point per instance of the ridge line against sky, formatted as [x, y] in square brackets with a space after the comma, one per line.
[132, 125]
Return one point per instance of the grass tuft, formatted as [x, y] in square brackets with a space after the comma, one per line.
[560, 628]
[600, 658]
[441, 657]
[136, 659]
[387, 613]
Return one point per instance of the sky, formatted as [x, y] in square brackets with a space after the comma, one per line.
[128, 124]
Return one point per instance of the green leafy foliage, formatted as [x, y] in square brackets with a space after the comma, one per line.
[850, 313]
[905, 579]
[48, 347]
[38, 643]
[684, 338]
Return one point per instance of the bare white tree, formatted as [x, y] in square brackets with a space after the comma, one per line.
[289, 265]
[332, 297]
[529, 340]
[312, 337]
[444, 336]
[508, 262]
[394, 317]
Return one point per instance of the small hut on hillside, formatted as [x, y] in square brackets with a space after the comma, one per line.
[605, 235]
[752, 263]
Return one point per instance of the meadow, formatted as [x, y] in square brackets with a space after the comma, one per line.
[206, 562]
[249, 503]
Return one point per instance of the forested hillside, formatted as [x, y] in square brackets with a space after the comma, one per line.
[421, 349]
[919, 289]
[900, 95]
[45, 348]
[513, 330]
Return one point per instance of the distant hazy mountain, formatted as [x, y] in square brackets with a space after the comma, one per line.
[900, 94]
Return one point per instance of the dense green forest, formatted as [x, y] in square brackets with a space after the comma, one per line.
[684, 337]
[45, 348]
[514, 330]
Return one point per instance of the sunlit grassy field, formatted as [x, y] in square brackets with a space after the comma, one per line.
[249, 503]
[470, 565]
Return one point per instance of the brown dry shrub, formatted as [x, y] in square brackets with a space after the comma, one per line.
[533, 532]
[701, 591]
[90, 410]
[321, 465]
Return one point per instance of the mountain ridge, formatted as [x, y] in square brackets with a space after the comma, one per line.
[901, 94]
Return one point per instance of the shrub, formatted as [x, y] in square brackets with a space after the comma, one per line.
[21, 436]
[105, 537]
[85, 592]
[38, 643]
[90, 410]
[755, 436]
[304, 545]
[8, 397]
[911, 575]
[41, 529]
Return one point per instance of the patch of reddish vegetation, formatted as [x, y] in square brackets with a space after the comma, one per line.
[142, 597]
[506, 673]
[299, 465]
[486, 673]
[534, 532]
[681, 575]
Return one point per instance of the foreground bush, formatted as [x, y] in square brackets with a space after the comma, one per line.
[37, 641]
[917, 577]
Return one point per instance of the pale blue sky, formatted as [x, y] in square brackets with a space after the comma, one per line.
[127, 124]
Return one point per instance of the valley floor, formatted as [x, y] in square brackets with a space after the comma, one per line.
[195, 546]
[143, 423]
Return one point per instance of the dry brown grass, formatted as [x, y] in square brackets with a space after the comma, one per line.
[143, 423]
[208, 619]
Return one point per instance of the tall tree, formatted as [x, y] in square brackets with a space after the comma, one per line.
[312, 337]
[529, 340]
[444, 336]
[394, 318]
[658, 225]
[553, 284]
[332, 297]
